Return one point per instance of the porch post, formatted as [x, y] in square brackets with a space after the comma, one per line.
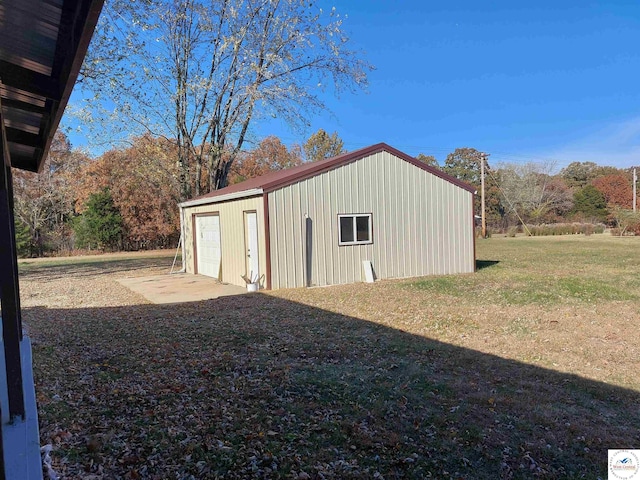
[9, 292]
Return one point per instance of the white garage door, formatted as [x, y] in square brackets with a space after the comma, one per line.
[208, 245]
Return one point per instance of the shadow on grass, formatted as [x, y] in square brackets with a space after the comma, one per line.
[481, 264]
[255, 386]
[55, 271]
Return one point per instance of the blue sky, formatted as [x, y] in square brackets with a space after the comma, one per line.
[522, 80]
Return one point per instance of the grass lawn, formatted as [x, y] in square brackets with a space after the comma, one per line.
[525, 369]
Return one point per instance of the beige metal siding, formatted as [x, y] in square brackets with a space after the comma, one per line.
[232, 237]
[422, 224]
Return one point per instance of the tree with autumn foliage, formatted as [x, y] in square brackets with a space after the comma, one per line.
[617, 189]
[321, 145]
[144, 185]
[464, 164]
[428, 159]
[44, 201]
[269, 155]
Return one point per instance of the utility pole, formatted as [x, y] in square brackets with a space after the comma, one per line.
[483, 158]
[635, 180]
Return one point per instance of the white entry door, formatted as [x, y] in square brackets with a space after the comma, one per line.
[208, 245]
[251, 242]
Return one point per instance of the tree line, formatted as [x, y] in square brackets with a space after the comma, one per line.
[126, 199]
[534, 193]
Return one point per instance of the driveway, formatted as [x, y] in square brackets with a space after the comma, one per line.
[179, 288]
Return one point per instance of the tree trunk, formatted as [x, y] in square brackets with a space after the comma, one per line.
[183, 172]
[198, 174]
[217, 178]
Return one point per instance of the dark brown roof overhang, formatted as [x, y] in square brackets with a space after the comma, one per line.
[42, 46]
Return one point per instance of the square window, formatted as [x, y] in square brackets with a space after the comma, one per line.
[354, 229]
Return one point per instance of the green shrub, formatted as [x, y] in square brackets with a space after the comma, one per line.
[23, 240]
[100, 226]
[590, 203]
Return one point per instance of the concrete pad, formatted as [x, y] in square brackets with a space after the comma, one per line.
[180, 288]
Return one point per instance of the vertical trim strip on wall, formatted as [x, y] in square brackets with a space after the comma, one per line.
[267, 240]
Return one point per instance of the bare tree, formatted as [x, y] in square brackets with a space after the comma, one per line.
[44, 202]
[532, 190]
[200, 72]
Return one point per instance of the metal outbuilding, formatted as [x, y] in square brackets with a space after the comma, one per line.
[331, 222]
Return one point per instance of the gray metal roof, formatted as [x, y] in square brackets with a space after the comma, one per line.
[42, 46]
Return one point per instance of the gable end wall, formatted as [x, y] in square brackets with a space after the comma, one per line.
[422, 224]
